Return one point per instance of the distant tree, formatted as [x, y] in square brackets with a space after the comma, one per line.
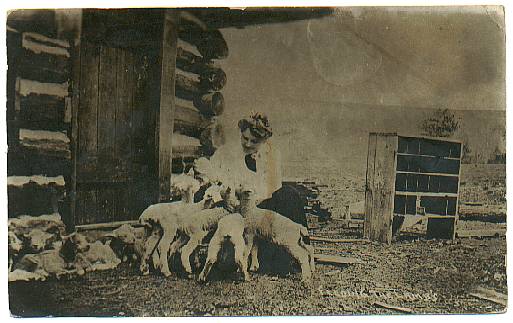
[443, 123]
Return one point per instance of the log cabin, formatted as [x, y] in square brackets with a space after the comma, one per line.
[103, 106]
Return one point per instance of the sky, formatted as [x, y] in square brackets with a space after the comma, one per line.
[325, 83]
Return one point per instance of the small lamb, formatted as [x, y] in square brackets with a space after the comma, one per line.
[168, 217]
[152, 218]
[277, 229]
[229, 228]
[50, 263]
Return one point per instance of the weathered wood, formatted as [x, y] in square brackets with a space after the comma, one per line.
[500, 232]
[75, 105]
[43, 59]
[124, 104]
[165, 119]
[107, 105]
[88, 111]
[190, 122]
[50, 143]
[34, 195]
[28, 161]
[42, 112]
[393, 307]
[13, 53]
[107, 225]
[380, 188]
[490, 295]
[210, 104]
[42, 20]
[212, 138]
[188, 88]
[338, 260]
[210, 43]
[369, 187]
[211, 76]
[314, 238]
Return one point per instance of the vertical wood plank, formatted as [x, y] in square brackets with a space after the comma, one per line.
[75, 104]
[386, 147]
[87, 113]
[165, 119]
[381, 190]
[369, 185]
[124, 103]
[107, 107]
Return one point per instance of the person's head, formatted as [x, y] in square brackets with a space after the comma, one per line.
[254, 130]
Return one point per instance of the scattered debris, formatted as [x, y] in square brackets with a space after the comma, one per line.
[314, 238]
[395, 308]
[490, 295]
[337, 259]
[481, 233]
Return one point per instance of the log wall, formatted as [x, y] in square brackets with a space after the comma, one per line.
[38, 116]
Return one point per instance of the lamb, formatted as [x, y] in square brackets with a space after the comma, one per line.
[230, 228]
[152, 217]
[277, 229]
[196, 227]
[55, 262]
[97, 256]
[189, 220]
[127, 242]
[167, 217]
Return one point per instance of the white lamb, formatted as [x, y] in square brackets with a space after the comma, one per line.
[229, 229]
[152, 217]
[273, 227]
[169, 217]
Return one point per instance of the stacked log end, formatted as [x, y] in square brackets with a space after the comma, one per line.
[39, 155]
[198, 85]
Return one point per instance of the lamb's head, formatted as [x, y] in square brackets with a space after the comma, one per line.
[213, 195]
[40, 240]
[186, 186]
[247, 199]
[73, 244]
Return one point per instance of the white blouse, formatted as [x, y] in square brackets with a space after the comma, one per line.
[228, 166]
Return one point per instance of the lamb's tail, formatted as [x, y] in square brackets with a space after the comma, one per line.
[305, 236]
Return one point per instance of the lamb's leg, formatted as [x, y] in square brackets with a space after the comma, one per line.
[189, 248]
[240, 255]
[310, 250]
[149, 248]
[163, 248]
[254, 257]
[301, 256]
[213, 250]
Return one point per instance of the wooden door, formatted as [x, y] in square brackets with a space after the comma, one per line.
[115, 152]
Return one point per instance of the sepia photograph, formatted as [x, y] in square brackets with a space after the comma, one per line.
[259, 161]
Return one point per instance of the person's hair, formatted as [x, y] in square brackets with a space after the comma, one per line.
[258, 125]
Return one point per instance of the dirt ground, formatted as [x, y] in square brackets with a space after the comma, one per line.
[425, 276]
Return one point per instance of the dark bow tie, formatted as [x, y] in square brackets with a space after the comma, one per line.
[250, 162]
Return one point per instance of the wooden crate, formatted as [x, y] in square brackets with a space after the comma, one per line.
[415, 176]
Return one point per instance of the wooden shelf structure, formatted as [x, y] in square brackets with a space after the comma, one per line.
[411, 176]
